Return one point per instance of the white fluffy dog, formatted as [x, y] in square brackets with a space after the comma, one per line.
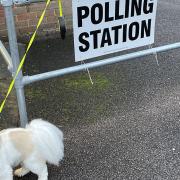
[40, 142]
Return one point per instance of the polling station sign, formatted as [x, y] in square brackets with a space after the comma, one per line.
[106, 26]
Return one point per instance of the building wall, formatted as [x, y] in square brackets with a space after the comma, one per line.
[26, 18]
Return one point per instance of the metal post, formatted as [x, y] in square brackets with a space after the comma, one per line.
[6, 56]
[15, 60]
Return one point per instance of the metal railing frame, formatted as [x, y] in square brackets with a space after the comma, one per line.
[6, 56]
[22, 81]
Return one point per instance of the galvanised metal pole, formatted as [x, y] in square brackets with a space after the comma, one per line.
[15, 60]
[73, 69]
[6, 56]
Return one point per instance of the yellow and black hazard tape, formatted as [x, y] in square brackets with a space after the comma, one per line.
[24, 57]
[60, 8]
[61, 19]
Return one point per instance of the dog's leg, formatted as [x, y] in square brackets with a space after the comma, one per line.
[21, 172]
[43, 174]
[40, 170]
[37, 167]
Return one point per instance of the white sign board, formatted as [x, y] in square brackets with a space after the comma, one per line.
[107, 26]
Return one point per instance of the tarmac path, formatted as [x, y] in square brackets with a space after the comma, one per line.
[127, 125]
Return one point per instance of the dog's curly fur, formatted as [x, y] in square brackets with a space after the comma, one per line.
[32, 147]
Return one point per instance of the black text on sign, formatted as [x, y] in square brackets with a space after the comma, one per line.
[103, 27]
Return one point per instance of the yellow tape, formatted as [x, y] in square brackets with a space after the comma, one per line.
[24, 57]
[60, 8]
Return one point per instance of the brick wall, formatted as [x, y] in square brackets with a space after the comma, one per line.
[26, 18]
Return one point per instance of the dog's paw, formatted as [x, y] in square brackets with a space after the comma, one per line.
[21, 172]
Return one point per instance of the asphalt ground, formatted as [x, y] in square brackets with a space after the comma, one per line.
[127, 125]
